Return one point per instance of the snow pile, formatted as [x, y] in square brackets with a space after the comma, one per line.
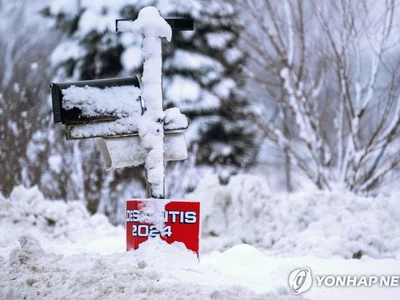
[57, 224]
[56, 250]
[76, 256]
[323, 224]
[157, 270]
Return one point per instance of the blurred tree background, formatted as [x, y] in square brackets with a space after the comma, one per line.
[300, 92]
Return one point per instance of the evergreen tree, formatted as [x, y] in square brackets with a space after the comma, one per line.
[200, 71]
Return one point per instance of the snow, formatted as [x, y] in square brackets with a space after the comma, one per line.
[100, 5]
[128, 39]
[131, 58]
[251, 239]
[57, 250]
[174, 119]
[153, 212]
[124, 126]
[64, 6]
[290, 50]
[13, 127]
[122, 152]
[336, 224]
[224, 88]
[185, 60]
[64, 51]
[55, 163]
[149, 23]
[118, 101]
[93, 21]
[155, 270]
[121, 102]
[208, 101]
[58, 224]
[150, 125]
[232, 55]
[219, 40]
[180, 89]
[34, 66]
[16, 87]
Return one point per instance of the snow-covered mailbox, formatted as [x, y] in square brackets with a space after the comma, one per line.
[132, 129]
[111, 110]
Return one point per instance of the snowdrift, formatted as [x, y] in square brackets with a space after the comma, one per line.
[156, 270]
[60, 226]
[57, 250]
[318, 223]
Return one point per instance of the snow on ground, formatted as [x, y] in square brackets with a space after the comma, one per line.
[57, 250]
[61, 227]
[324, 224]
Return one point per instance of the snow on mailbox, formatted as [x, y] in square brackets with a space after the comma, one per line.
[79, 103]
[110, 110]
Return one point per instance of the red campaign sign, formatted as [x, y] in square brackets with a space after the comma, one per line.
[182, 223]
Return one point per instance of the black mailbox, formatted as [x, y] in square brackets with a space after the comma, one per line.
[74, 116]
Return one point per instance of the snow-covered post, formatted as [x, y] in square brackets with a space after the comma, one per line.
[151, 131]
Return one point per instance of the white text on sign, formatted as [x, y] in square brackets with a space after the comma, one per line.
[172, 216]
[145, 230]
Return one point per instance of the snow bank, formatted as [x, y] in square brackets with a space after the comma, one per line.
[59, 225]
[323, 224]
[157, 270]
[56, 250]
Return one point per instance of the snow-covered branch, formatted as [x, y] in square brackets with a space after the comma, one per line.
[342, 97]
